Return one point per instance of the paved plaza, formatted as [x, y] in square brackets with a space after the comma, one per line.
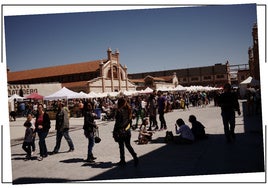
[212, 156]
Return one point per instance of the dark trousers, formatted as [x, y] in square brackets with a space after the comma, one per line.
[162, 119]
[126, 141]
[33, 144]
[26, 146]
[42, 143]
[90, 144]
[228, 119]
[67, 137]
[153, 121]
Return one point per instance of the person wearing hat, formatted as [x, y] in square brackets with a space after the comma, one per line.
[228, 101]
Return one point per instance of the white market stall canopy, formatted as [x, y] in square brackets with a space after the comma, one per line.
[251, 81]
[189, 88]
[15, 96]
[63, 93]
[146, 91]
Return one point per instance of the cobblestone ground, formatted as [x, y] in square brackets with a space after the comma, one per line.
[157, 159]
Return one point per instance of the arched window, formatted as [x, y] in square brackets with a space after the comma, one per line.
[109, 74]
[115, 72]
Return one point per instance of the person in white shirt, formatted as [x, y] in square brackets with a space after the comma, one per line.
[185, 134]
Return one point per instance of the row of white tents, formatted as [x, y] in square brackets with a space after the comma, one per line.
[65, 93]
[68, 94]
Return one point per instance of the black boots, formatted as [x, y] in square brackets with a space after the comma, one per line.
[122, 162]
[90, 158]
[136, 161]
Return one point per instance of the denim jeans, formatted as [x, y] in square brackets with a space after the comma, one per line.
[90, 143]
[42, 143]
[67, 137]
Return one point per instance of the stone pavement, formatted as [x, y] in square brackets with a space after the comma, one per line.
[157, 159]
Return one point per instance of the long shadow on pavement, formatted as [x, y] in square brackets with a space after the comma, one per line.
[206, 157]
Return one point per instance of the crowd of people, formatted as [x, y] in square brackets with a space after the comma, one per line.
[127, 113]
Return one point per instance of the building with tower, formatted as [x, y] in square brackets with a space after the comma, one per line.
[253, 55]
[105, 75]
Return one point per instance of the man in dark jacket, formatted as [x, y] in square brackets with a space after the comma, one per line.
[62, 127]
[228, 102]
[89, 128]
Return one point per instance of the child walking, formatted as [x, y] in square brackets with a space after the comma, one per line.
[28, 140]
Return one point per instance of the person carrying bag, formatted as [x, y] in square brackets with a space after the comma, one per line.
[121, 131]
[97, 137]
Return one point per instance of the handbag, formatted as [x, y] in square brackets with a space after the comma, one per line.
[97, 138]
[121, 133]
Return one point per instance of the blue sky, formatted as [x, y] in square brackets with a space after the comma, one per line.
[148, 40]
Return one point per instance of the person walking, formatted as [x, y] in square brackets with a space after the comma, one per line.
[62, 127]
[228, 101]
[152, 111]
[89, 128]
[162, 103]
[31, 120]
[28, 139]
[42, 126]
[121, 131]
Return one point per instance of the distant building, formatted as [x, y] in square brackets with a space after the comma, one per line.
[216, 75]
[98, 76]
[242, 75]
[253, 55]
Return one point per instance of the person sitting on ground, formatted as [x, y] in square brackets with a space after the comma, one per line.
[198, 129]
[144, 135]
[185, 134]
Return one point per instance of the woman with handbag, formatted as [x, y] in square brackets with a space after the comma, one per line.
[89, 127]
[121, 132]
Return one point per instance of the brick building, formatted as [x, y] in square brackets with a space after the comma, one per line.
[216, 75]
[253, 55]
[98, 76]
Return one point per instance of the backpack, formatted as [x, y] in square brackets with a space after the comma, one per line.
[169, 137]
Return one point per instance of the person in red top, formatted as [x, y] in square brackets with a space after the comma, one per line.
[42, 126]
